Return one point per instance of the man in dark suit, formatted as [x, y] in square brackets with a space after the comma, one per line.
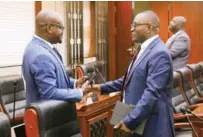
[179, 43]
[43, 68]
[147, 82]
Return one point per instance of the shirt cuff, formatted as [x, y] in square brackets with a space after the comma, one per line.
[81, 92]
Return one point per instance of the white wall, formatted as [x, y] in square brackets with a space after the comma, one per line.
[58, 6]
[10, 71]
[17, 28]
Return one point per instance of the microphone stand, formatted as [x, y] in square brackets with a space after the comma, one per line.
[193, 129]
[185, 112]
[190, 112]
[96, 69]
[14, 99]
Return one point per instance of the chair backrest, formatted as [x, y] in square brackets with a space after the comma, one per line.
[89, 69]
[197, 78]
[51, 118]
[201, 65]
[5, 127]
[178, 98]
[187, 80]
[7, 97]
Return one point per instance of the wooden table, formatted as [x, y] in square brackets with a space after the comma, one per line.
[100, 111]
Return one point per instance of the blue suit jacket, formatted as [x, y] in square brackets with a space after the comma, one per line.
[44, 74]
[148, 86]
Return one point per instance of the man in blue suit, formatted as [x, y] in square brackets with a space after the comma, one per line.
[43, 68]
[147, 82]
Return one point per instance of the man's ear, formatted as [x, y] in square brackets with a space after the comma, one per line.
[49, 28]
[150, 28]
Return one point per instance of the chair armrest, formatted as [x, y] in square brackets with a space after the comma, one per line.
[200, 100]
[182, 125]
[179, 116]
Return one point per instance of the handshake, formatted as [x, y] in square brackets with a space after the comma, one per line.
[87, 87]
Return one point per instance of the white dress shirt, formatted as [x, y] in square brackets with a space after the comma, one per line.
[48, 43]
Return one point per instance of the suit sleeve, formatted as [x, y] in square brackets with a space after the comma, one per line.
[158, 80]
[44, 74]
[72, 82]
[179, 45]
[112, 86]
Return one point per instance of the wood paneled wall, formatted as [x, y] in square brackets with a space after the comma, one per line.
[38, 6]
[161, 8]
[123, 20]
[112, 40]
[193, 12]
[166, 10]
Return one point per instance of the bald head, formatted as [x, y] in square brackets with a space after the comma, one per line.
[180, 21]
[48, 17]
[149, 17]
[49, 26]
[145, 26]
[177, 23]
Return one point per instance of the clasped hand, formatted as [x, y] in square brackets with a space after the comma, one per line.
[86, 85]
[123, 127]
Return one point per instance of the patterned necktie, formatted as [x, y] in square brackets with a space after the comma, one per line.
[59, 55]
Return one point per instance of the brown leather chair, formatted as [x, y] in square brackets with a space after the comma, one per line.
[7, 97]
[51, 118]
[201, 65]
[179, 101]
[178, 98]
[189, 87]
[5, 127]
[197, 78]
[89, 69]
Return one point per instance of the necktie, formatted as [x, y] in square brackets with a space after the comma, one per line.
[59, 55]
[133, 60]
[128, 70]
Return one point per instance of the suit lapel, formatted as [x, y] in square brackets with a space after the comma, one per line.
[47, 47]
[143, 55]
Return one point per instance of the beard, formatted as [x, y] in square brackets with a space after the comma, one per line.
[139, 39]
[60, 41]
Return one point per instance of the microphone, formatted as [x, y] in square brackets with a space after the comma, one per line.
[97, 70]
[190, 112]
[185, 112]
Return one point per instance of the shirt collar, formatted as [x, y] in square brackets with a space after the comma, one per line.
[146, 43]
[48, 43]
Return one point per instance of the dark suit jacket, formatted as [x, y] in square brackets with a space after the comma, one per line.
[148, 86]
[45, 75]
[179, 48]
